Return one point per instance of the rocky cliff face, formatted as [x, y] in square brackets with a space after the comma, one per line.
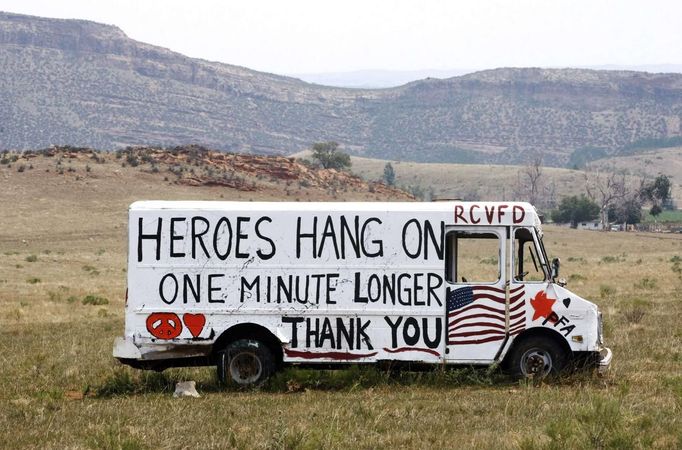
[82, 83]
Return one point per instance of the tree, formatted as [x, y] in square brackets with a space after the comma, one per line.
[533, 172]
[658, 191]
[329, 157]
[627, 211]
[389, 174]
[575, 209]
[605, 188]
[655, 210]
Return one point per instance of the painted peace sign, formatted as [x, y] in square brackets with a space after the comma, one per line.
[163, 325]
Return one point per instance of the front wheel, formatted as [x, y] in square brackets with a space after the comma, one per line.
[245, 362]
[536, 357]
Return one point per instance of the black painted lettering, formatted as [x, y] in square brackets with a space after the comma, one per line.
[197, 236]
[351, 235]
[331, 288]
[347, 333]
[318, 285]
[294, 321]
[246, 287]
[567, 330]
[394, 329]
[223, 222]
[162, 288]
[357, 298]
[415, 290]
[362, 335]
[188, 286]
[435, 342]
[389, 289]
[327, 334]
[418, 228]
[436, 242]
[300, 236]
[379, 244]
[373, 288]
[153, 236]
[301, 298]
[433, 283]
[404, 290]
[411, 337]
[284, 290]
[313, 333]
[240, 237]
[329, 233]
[212, 289]
[262, 255]
[174, 237]
[552, 318]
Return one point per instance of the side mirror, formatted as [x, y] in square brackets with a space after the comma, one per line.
[556, 263]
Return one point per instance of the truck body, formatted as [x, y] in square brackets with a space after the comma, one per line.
[250, 286]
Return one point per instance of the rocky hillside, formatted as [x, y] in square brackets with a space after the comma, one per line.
[195, 166]
[86, 84]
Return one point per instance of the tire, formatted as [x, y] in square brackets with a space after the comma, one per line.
[536, 357]
[245, 362]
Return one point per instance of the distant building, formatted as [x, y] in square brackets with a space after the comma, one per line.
[590, 225]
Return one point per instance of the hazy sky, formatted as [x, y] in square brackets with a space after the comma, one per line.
[290, 36]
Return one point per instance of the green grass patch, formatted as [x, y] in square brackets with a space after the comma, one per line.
[667, 216]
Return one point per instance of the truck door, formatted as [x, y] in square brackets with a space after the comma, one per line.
[529, 278]
[475, 295]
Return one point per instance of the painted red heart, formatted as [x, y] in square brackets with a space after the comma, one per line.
[194, 323]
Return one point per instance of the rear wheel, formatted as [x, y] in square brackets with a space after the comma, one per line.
[536, 357]
[245, 362]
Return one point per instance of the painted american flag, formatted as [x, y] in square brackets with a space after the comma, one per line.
[476, 314]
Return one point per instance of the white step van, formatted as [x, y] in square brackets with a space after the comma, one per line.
[251, 286]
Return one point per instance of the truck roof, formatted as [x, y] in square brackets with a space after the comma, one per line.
[462, 213]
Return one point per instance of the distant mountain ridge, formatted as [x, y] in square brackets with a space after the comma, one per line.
[82, 83]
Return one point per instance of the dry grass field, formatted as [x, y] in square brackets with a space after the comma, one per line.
[62, 287]
[496, 182]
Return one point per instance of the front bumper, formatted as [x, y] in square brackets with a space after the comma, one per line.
[604, 363]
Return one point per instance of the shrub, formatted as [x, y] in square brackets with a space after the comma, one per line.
[646, 283]
[606, 291]
[94, 300]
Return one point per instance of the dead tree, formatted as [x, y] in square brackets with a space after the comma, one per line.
[605, 188]
[533, 174]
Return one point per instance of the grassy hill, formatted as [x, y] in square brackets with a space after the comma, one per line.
[667, 161]
[62, 290]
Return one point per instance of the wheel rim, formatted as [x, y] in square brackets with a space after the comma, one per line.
[536, 362]
[245, 368]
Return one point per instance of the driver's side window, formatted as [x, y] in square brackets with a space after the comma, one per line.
[527, 264]
[472, 257]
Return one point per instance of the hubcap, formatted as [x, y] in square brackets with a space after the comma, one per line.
[245, 368]
[536, 362]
